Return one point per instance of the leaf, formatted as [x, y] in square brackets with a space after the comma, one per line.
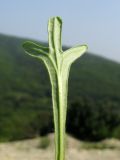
[35, 50]
[54, 30]
[54, 36]
[74, 53]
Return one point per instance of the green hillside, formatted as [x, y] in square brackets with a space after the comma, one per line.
[22, 76]
[25, 86]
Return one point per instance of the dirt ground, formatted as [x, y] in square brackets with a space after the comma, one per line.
[30, 150]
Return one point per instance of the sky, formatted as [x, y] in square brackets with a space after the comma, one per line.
[92, 22]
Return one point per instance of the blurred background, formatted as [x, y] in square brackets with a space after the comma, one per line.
[94, 83]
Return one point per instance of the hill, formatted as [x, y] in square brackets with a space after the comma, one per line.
[25, 88]
[91, 75]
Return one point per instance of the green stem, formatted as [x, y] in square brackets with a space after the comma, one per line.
[59, 117]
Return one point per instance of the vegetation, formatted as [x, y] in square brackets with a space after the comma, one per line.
[94, 121]
[98, 145]
[44, 142]
[25, 97]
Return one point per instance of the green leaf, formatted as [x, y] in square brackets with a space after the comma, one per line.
[35, 50]
[54, 34]
[74, 53]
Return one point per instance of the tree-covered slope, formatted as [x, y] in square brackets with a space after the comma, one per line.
[25, 92]
[22, 76]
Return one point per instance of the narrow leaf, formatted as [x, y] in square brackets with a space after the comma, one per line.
[54, 31]
[72, 54]
[35, 50]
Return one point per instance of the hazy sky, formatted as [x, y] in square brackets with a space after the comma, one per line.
[92, 22]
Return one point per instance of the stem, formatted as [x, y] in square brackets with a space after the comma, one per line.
[59, 117]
